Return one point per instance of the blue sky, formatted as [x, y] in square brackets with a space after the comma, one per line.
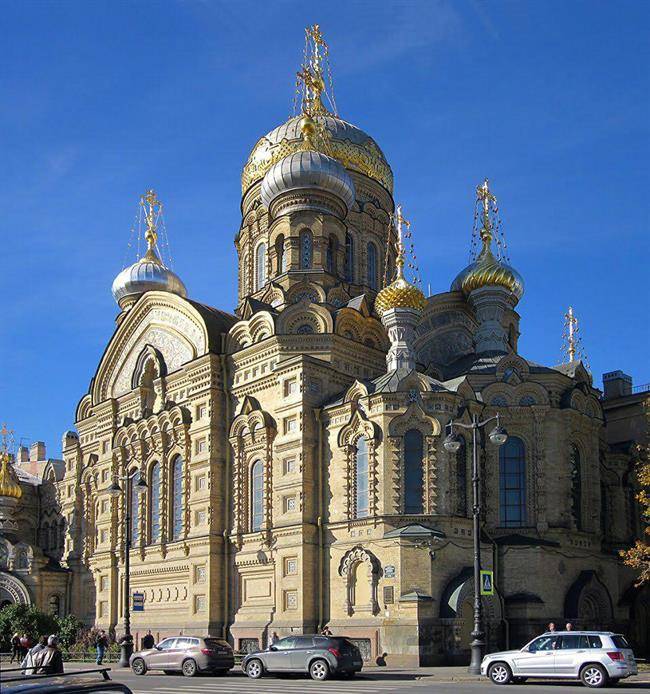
[100, 100]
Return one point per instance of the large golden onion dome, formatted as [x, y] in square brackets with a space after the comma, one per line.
[9, 485]
[400, 293]
[488, 271]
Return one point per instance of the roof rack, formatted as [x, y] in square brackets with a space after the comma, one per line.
[42, 676]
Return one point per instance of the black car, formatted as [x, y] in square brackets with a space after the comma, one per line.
[320, 656]
[98, 681]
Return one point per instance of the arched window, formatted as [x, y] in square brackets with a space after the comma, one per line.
[55, 605]
[576, 486]
[413, 454]
[512, 483]
[349, 257]
[461, 479]
[154, 504]
[330, 263]
[177, 498]
[306, 249]
[134, 500]
[281, 262]
[361, 479]
[22, 560]
[257, 495]
[260, 266]
[372, 266]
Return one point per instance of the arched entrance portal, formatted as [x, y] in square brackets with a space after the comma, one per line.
[12, 590]
[588, 603]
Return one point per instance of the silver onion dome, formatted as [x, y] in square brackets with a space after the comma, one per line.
[308, 169]
[146, 275]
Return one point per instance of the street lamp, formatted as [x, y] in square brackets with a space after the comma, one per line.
[114, 489]
[498, 436]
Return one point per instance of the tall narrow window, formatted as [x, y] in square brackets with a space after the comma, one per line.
[154, 504]
[257, 495]
[461, 480]
[413, 487]
[279, 253]
[177, 498]
[361, 469]
[372, 266]
[134, 495]
[331, 255]
[512, 483]
[260, 266]
[576, 486]
[306, 249]
[349, 257]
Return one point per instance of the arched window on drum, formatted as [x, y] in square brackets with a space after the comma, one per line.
[177, 505]
[257, 495]
[413, 471]
[306, 249]
[260, 266]
[372, 266]
[349, 257]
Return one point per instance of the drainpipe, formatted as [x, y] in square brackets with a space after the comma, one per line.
[321, 560]
[226, 542]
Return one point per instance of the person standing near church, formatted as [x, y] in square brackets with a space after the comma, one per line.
[101, 644]
[148, 641]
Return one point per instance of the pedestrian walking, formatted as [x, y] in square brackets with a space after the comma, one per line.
[49, 661]
[25, 644]
[15, 648]
[326, 631]
[28, 662]
[148, 641]
[101, 644]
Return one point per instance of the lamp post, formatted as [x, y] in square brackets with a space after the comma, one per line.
[126, 647]
[452, 443]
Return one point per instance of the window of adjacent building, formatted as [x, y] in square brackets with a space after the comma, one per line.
[290, 600]
[70, 490]
[260, 266]
[201, 446]
[576, 486]
[200, 574]
[306, 249]
[349, 257]
[134, 496]
[290, 566]
[289, 504]
[200, 603]
[103, 583]
[361, 479]
[105, 474]
[288, 465]
[105, 447]
[413, 469]
[290, 425]
[200, 517]
[257, 495]
[154, 503]
[201, 483]
[290, 387]
[512, 483]
[372, 266]
[461, 479]
[177, 498]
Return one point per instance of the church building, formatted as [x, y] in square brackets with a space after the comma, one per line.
[283, 464]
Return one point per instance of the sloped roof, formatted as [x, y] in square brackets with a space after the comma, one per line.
[217, 322]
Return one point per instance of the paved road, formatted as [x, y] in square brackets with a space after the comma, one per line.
[366, 683]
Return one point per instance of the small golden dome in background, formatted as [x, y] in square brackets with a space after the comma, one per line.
[400, 294]
[488, 271]
[9, 485]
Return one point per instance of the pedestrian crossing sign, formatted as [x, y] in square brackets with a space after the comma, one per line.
[487, 582]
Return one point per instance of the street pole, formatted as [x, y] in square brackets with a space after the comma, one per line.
[126, 647]
[478, 635]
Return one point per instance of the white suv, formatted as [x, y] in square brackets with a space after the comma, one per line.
[597, 658]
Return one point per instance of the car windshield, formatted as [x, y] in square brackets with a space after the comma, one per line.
[619, 641]
[543, 643]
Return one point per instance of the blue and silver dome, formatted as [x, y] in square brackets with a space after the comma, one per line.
[308, 169]
[146, 275]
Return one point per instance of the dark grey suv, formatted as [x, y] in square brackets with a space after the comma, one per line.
[320, 656]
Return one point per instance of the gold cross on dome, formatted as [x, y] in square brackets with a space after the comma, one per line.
[486, 197]
[151, 199]
[5, 434]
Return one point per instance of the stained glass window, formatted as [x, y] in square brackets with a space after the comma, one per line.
[512, 483]
[260, 266]
[361, 469]
[576, 486]
[372, 266]
[413, 454]
[177, 498]
[349, 257]
[306, 249]
[257, 495]
[134, 494]
[154, 503]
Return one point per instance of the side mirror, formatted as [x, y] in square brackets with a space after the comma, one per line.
[272, 648]
[157, 647]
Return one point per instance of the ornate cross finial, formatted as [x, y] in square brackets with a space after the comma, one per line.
[311, 77]
[152, 209]
[5, 435]
[487, 199]
[400, 221]
[572, 344]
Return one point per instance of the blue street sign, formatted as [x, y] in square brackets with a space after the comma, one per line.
[138, 602]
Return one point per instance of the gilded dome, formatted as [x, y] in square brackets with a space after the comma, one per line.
[146, 275]
[349, 145]
[399, 294]
[488, 271]
[9, 485]
[308, 169]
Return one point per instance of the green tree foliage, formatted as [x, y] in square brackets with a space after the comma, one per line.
[28, 619]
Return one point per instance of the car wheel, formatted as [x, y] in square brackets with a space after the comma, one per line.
[189, 668]
[593, 675]
[254, 669]
[319, 670]
[139, 667]
[500, 673]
